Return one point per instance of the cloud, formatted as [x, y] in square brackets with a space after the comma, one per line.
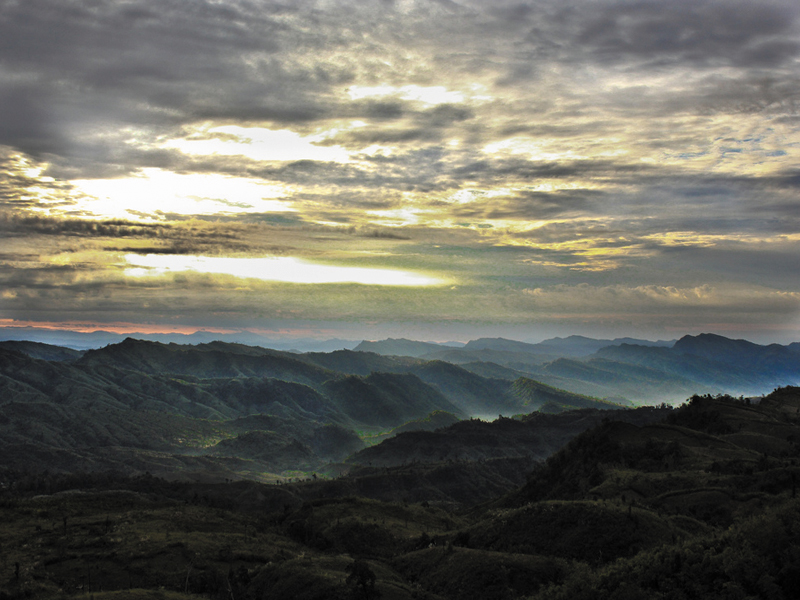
[704, 34]
[724, 301]
[281, 269]
[82, 67]
[533, 205]
[635, 147]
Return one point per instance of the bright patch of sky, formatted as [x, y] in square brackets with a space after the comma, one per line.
[536, 149]
[280, 269]
[431, 95]
[398, 217]
[466, 196]
[156, 193]
[259, 143]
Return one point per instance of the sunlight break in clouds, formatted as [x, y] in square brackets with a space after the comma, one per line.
[632, 151]
[157, 192]
[427, 95]
[258, 143]
[281, 269]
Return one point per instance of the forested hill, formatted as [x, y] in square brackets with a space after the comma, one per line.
[699, 503]
[188, 411]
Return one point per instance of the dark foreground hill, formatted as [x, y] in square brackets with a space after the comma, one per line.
[700, 505]
[42, 351]
[535, 436]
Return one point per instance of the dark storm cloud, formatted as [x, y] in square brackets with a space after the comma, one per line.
[382, 111]
[174, 238]
[570, 231]
[408, 124]
[21, 190]
[760, 91]
[704, 33]
[28, 121]
[23, 225]
[72, 73]
[388, 136]
[420, 169]
[352, 199]
[715, 204]
[771, 266]
[381, 234]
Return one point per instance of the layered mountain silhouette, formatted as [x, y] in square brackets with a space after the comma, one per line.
[224, 470]
[244, 411]
[218, 408]
[638, 370]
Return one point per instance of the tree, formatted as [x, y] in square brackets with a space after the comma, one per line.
[363, 579]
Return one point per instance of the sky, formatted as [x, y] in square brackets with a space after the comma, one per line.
[436, 170]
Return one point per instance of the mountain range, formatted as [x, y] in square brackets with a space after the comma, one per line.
[221, 410]
[640, 371]
[230, 410]
[146, 469]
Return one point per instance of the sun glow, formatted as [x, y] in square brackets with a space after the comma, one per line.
[259, 143]
[157, 193]
[280, 269]
[431, 95]
[122, 328]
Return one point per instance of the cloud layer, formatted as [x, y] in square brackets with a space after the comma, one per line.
[575, 165]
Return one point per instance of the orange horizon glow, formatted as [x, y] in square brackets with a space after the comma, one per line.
[132, 328]
[121, 328]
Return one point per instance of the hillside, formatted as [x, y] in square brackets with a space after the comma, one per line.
[774, 360]
[473, 394]
[95, 415]
[386, 399]
[640, 371]
[110, 408]
[205, 361]
[571, 346]
[535, 436]
[399, 347]
[353, 362]
[436, 420]
[702, 503]
[145, 406]
[534, 395]
[716, 363]
[41, 351]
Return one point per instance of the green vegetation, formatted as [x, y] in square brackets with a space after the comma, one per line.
[545, 398]
[264, 489]
[675, 508]
[226, 411]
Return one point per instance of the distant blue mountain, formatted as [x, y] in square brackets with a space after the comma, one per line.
[403, 347]
[97, 339]
[574, 345]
